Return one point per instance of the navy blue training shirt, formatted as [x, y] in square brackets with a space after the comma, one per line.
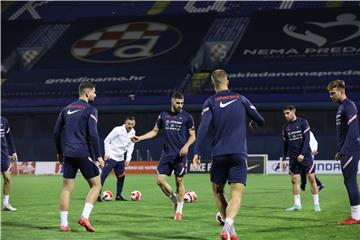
[224, 114]
[177, 127]
[6, 140]
[296, 136]
[76, 131]
[347, 124]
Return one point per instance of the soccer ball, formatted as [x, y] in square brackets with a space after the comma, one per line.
[107, 195]
[219, 219]
[190, 197]
[135, 196]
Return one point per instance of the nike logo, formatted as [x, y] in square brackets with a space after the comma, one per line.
[222, 105]
[72, 112]
[252, 167]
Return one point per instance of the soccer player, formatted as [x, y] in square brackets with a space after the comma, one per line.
[348, 149]
[314, 151]
[296, 136]
[224, 114]
[7, 146]
[77, 141]
[118, 144]
[179, 135]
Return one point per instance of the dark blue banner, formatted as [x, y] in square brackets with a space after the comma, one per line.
[302, 35]
[124, 42]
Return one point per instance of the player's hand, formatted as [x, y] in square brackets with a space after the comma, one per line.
[135, 139]
[14, 157]
[315, 152]
[337, 156]
[101, 162]
[300, 158]
[184, 150]
[196, 162]
[106, 158]
[60, 158]
[127, 163]
[252, 125]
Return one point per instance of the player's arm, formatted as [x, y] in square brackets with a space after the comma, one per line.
[351, 135]
[306, 140]
[185, 149]
[313, 144]
[192, 137]
[11, 144]
[57, 136]
[152, 133]
[285, 150]
[109, 138]
[146, 136]
[129, 152]
[256, 118]
[206, 119]
[94, 136]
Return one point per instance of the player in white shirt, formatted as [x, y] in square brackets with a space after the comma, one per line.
[118, 152]
[314, 151]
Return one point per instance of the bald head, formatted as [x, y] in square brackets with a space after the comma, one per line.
[219, 79]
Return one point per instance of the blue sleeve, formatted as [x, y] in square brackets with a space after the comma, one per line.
[206, 119]
[286, 144]
[353, 128]
[10, 140]
[93, 133]
[159, 122]
[190, 125]
[57, 133]
[252, 112]
[306, 136]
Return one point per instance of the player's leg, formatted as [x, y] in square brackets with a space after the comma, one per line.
[164, 170]
[303, 181]
[220, 200]
[91, 173]
[6, 190]
[109, 165]
[179, 166]
[294, 171]
[69, 173]
[349, 167]
[67, 188]
[314, 189]
[120, 178]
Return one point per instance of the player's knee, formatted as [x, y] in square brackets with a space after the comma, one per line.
[7, 180]
[159, 181]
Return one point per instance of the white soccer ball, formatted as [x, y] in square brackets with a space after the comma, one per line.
[190, 197]
[135, 195]
[219, 219]
[107, 195]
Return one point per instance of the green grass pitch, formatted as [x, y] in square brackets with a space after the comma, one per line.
[262, 215]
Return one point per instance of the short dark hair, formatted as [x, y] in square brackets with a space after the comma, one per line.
[130, 117]
[290, 107]
[177, 95]
[336, 84]
[84, 85]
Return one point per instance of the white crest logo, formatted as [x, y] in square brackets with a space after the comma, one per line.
[345, 19]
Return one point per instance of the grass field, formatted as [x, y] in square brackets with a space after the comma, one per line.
[262, 215]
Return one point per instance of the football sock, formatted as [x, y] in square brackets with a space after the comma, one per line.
[228, 224]
[179, 207]
[355, 212]
[316, 199]
[6, 199]
[87, 210]
[64, 218]
[297, 200]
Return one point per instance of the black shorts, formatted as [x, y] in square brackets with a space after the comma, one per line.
[86, 165]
